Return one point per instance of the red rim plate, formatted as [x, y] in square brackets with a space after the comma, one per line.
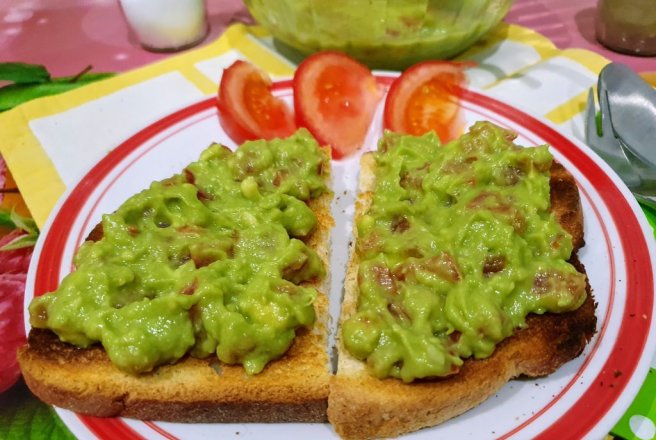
[592, 405]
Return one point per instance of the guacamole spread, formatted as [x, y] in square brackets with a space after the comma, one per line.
[458, 246]
[390, 34]
[207, 261]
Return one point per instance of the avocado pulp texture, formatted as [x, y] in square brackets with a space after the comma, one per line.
[458, 246]
[207, 261]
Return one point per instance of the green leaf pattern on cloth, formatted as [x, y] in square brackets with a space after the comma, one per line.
[32, 81]
[24, 417]
[650, 213]
[24, 224]
[21, 73]
[15, 94]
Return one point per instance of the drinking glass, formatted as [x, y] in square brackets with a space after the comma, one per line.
[166, 25]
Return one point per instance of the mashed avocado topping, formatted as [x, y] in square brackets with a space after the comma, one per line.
[207, 261]
[458, 246]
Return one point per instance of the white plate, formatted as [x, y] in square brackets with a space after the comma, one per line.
[583, 398]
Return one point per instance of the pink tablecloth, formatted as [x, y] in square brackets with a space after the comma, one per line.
[570, 23]
[68, 35]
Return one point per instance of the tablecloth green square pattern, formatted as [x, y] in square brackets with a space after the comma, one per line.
[639, 422]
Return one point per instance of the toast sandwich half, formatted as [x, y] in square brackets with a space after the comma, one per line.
[362, 405]
[290, 388]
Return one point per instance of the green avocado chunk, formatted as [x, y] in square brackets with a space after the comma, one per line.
[458, 246]
[207, 261]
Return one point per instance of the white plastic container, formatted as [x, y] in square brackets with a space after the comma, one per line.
[166, 25]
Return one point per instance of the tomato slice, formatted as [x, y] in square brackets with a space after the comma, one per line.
[247, 109]
[335, 98]
[426, 97]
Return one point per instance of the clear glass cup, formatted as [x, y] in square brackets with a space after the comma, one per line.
[627, 26]
[166, 25]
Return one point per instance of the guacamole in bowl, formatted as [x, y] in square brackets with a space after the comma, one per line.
[383, 34]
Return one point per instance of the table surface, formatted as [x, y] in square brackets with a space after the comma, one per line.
[68, 35]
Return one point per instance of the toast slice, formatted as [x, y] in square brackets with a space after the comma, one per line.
[293, 388]
[362, 406]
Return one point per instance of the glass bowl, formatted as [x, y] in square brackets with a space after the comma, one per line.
[386, 34]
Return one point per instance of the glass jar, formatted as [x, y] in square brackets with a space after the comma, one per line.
[627, 26]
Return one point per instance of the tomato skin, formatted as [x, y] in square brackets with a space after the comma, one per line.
[335, 98]
[247, 109]
[426, 97]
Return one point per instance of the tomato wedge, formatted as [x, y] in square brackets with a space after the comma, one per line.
[247, 109]
[335, 98]
[426, 97]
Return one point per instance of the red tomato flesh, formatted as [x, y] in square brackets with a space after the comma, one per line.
[247, 108]
[426, 97]
[335, 98]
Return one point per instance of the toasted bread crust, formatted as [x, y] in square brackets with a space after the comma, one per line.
[293, 388]
[362, 406]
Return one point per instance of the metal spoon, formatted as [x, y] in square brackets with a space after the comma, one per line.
[632, 110]
[638, 175]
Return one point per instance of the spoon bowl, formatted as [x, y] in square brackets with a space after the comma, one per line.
[627, 141]
[632, 110]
